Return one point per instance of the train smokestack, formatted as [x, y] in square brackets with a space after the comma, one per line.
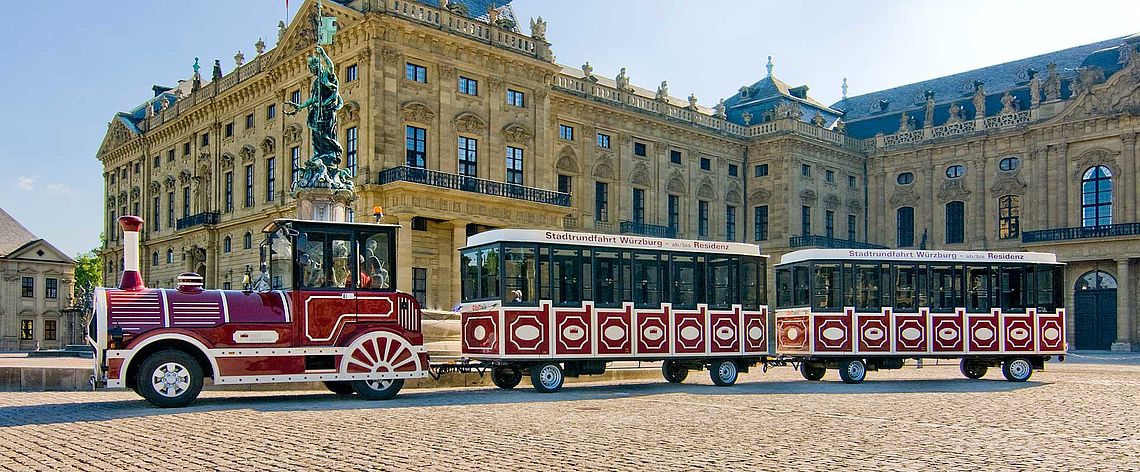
[132, 279]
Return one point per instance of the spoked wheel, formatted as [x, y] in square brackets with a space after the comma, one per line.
[169, 379]
[547, 377]
[506, 377]
[852, 371]
[339, 387]
[382, 389]
[723, 373]
[674, 371]
[1017, 369]
[973, 369]
[812, 372]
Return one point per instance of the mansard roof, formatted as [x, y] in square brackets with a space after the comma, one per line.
[865, 116]
[767, 94]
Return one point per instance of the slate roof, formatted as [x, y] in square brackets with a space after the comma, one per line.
[13, 235]
[864, 119]
[768, 93]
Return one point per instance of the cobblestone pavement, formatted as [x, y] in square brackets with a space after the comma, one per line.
[1071, 416]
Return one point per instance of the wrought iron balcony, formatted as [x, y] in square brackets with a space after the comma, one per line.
[1081, 232]
[473, 184]
[633, 227]
[815, 240]
[204, 218]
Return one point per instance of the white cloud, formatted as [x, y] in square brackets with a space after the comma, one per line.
[59, 188]
[26, 183]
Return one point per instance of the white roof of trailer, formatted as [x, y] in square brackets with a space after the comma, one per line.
[622, 241]
[918, 256]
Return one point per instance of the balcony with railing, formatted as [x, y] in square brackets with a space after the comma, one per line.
[818, 241]
[473, 184]
[1081, 232]
[204, 218]
[645, 229]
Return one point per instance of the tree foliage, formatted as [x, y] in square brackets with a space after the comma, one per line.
[88, 275]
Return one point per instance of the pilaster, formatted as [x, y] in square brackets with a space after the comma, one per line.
[1124, 314]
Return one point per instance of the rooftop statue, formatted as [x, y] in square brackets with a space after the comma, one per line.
[1052, 82]
[324, 100]
[663, 91]
[538, 29]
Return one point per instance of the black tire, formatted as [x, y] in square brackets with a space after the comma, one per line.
[724, 373]
[812, 372]
[373, 390]
[674, 371]
[852, 371]
[341, 387]
[547, 377]
[1017, 369]
[176, 373]
[506, 377]
[973, 369]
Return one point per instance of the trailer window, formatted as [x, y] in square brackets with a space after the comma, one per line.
[867, 287]
[646, 280]
[827, 289]
[978, 289]
[906, 289]
[1013, 288]
[489, 273]
[1049, 288]
[685, 277]
[751, 282]
[783, 288]
[607, 278]
[945, 286]
[519, 274]
[722, 281]
[565, 275]
[801, 290]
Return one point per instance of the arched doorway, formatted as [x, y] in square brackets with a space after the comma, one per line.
[1094, 311]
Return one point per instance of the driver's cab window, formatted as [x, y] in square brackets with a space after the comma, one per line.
[377, 260]
[324, 260]
[279, 248]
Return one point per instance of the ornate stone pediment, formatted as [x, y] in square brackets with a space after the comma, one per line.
[227, 161]
[1093, 158]
[808, 196]
[467, 122]
[350, 112]
[904, 196]
[111, 202]
[732, 196]
[759, 197]
[675, 185]
[952, 190]
[417, 112]
[155, 187]
[567, 160]
[855, 206]
[640, 175]
[247, 152]
[268, 145]
[203, 155]
[1008, 184]
[603, 170]
[169, 182]
[1119, 94]
[517, 133]
[184, 177]
[293, 134]
[122, 197]
[831, 202]
[705, 191]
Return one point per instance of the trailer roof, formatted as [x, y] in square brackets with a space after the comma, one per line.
[623, 241]
[918, 255]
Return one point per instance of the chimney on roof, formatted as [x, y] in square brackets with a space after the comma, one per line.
[132, 279]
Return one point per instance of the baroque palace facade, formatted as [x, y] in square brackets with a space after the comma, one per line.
[456, 122]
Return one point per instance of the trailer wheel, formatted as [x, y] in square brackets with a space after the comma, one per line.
[723, 373]
[1017, 369]
[377, 389]
[506, 377]
[812, 372]
[852, 371]
[169, 379]
[339, 387]
[547, 377]
[973, 369]
[674, 371]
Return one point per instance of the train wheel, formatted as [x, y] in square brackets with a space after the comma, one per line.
[812, 372]
[506, 377]
[170, 379]
[382, 389]
[1017, 369]
[973, 369]
[852, 371]
[674, 371]
[339, 387]
[723, 373]
[547, 377]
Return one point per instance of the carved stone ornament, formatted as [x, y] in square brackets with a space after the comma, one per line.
[640, 175]
[350, 112]
[417, 112]
[203, 155]
[759, 196]
[1093, 158]
[808, 196]
[247, 152]
[1008, 184]
[123, 197]
[567, 160]
[169, 182]
[732, 196]
[293, 134]
[227, 161]
[705, 190]
[831, 202]
[469, 123]
[268, 145]
[517, 133]
[495, 84]
[446, 72]
[155, 187]
[952, 190]
[676, 184]
[603, 170]
[184, 177]
[904, 197]
[854, 205]
[111, 202]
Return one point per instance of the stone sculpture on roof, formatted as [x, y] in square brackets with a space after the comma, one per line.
[239, 58]
[692, 101]
[1034, 87]
[663, 91]
[904, 122]
[979, 99]
[955, 113]
[538, 29]
[928, 117]
[217, 70]
[588, 70]
[622, 81]
[718, 110]
[1007, 104]
[1052, 83]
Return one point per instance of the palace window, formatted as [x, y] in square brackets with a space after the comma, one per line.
[271, 111]
[111, 227]
[601, 201]
[829, 176]
[169, 256]
[247, 240]
[419, 284]
[955, 222]
[169, 155]
[805, 220]
[955, 171]
[415, 145]
[1096, 197]
[350, 146]
[851, 227]
[565, 183]
[674, 212]
[415, 72]
[205, 139]
[905, 178]
[566, 132]
[730, 223]
[27, 332]
[170, 209]
[514, 165]
[270, 178]
[229, 192]
[851, 182]
[1009, 163]
[156, 211]
[49, 330]
[468, 156]
[706, 163]
[349, 215]
[805, 170]
[733, 170]
[603, 141]
[904, 222]
[702, 218]
[638, 206]
[639, 149]
[157, 161]
[229, 130]
[760, 170]
[249, 186]
[154, 259]
[185, 149]
[419, 224]
[227, 244]
[675, 156]
[761, 223]
[295, 161]
[27, 287]
[1009, 217]
[468, 86]
[350, 73]
[295, 96]
[516, 98]
[249, 121]
[829, 223]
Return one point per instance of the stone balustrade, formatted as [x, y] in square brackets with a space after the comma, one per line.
[464, 26]
[989, 123]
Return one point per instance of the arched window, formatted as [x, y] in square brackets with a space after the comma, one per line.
[955, 171]
[154, 258]
[1009, 217]
[169, 256]
[1096, 280]
[955, 222]
[905, 223]
[247, 240]
[1096, 197]
[227, 244]
[905, 178]
[1009, 163]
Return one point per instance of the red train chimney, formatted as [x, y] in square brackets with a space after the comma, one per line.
[132, 279]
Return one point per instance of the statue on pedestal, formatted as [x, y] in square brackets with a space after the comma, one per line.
[1052, 83]
[663, 91]
[1034, 87]
[320, 171]
[928, 113]
[979, 100]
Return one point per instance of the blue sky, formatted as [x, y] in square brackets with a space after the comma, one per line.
[73, 63]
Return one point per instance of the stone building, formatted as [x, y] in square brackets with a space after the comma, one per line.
[35, 291]
[455, 121]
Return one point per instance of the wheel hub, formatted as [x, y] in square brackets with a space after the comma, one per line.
[170, 379]
[549, 376]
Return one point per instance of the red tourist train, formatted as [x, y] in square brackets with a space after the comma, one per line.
[555, 304]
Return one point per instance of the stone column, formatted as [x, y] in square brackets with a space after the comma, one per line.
[1128, 144]
[1123, 307]
[458, 240]
[404, 254]
[1066, 217]
[980, 216]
